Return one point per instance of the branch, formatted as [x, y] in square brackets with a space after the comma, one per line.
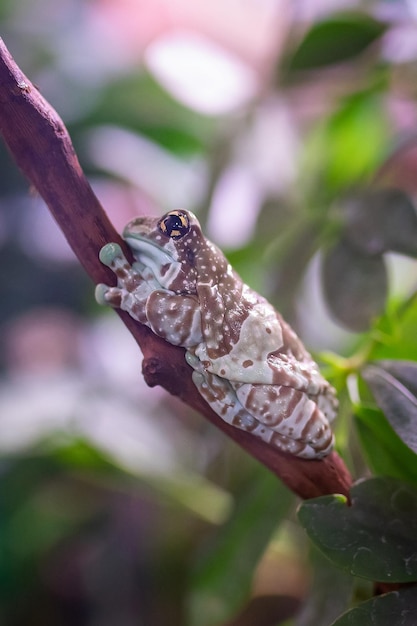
[42, 149]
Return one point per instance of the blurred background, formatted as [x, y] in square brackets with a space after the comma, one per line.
[275, 121]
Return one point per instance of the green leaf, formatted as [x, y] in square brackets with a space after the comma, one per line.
[78, 454]
[397, 333]
[398, 608]
[385, 452]
[137, 102]
[335, 40]
[374, 538]
[355, 285]
[346, 149]
[380, 221]
[39, 508]
[221, 579]
[394, 386]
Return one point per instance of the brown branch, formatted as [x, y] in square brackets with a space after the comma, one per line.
[41, 147]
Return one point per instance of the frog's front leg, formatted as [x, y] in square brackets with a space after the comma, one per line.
[174, 317]
[134, 283]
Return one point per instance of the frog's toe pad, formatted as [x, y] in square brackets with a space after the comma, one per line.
[100, 293]
[194, 362]
[109, 253]
[110, 296]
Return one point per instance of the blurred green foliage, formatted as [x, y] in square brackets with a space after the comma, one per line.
[85, 540]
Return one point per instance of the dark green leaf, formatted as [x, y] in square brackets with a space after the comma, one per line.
[222, 576]
[375, 537]
[404, 371]
[335, 40]
[379, 221]
[385, 452]
[398, 608]
[355, 285]
[394, 385]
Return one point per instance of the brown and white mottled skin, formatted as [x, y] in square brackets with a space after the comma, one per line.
[248, 363]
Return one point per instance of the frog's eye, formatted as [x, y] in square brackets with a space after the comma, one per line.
[174, 224]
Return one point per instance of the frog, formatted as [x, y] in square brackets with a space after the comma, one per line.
[247, 362]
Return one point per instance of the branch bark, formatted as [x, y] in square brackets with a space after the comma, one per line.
[42, 149]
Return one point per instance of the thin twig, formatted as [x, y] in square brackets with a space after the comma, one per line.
[42, 149]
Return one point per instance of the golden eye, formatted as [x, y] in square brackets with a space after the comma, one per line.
[174, 224]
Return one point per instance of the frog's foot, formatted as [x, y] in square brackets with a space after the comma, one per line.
[111, 255]
[110, 296]
[194, 362]
[129, 277]
[127, 280]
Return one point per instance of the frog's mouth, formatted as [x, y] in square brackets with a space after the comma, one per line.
[162, 264]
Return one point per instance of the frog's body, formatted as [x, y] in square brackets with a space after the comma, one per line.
[249, 365]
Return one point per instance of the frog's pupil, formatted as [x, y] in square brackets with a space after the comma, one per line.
[175, 226]
[173, 223]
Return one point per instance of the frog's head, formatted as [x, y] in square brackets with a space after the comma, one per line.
[176, 251]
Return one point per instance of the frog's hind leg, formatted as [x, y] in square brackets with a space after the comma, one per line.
[290, 413]
[219, 394]
[221, 397]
